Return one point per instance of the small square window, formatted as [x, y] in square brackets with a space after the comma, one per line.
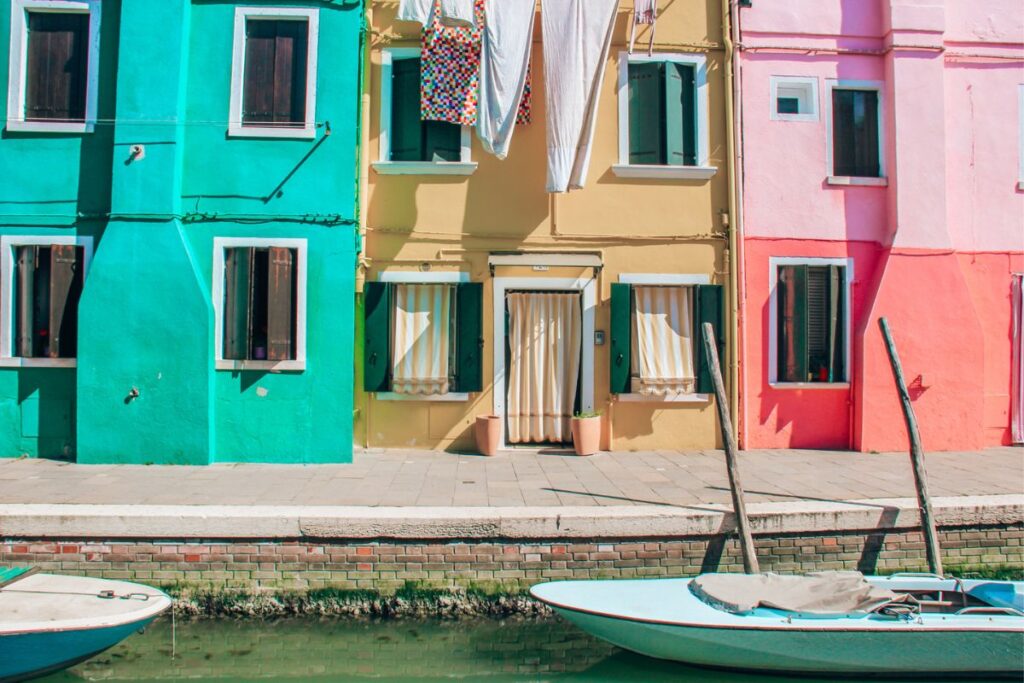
[794, 98]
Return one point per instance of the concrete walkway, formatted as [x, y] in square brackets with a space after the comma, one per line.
[391, 478]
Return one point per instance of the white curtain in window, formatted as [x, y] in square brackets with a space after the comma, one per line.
[544, 338]
[1018, 360]
[422, 314]
[663, 341]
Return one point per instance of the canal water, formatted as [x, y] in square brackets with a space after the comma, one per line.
[322, 650]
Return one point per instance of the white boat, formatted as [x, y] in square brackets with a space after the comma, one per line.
[50, 622]
[901, 625]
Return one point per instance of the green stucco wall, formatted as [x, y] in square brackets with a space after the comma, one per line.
[146, 318]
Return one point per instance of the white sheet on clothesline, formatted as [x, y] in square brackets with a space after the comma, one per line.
[415, 10]
[577, 36]
[460, 12]
[504, 63]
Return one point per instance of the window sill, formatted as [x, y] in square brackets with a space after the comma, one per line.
[857, 180]
[262, 365]
[22, 126]
[659, 172]
[306, 132]
[18, 362]
[425, 167]
[450, 397]
[677, 398]
[809, 385]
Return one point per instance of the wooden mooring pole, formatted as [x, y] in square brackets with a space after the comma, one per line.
[924, 501]
[750, 565]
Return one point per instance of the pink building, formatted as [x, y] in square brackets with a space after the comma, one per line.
[883, 170]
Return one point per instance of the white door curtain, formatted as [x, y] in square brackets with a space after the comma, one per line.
[544, 336]
[577, 36]
[504, 68]
[1017, 398]
[421, 320]
[663, 341]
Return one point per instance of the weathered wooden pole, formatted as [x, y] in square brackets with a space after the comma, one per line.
[924, 501]
[750, 565]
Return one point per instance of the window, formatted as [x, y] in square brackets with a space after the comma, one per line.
[53, 65]
[657, 340]
[811, 322]
[423, 337]
[409, 144]
[40, 310]
[856, 145]
[794, 98]
[663, 117]
[260, 299]
[273, 90]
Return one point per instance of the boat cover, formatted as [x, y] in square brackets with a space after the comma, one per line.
[812, 593]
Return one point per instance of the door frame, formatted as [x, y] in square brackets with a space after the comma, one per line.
[588, 288]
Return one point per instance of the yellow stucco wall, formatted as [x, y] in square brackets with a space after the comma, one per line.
[637, 226]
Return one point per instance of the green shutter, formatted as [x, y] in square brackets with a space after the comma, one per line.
[442, 141]
[621, 321]
[406, 135]
[837, 326]
[792, 324]
[469, 336]
[646, 113]
[377, 331]
[680, 115]
[709, 300]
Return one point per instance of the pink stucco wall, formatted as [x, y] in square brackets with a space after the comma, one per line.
[933, 250]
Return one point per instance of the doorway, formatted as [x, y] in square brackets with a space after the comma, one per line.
[543, 356]
[544, 361]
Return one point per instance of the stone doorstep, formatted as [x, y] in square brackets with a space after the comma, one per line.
[184, 522]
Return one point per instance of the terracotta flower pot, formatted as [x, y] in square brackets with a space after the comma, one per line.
[488, 434]
[586, 435]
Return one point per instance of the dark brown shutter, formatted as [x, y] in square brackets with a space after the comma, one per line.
[792, 324]
[238, 279]
[26, 300]
[57, 58]
[281, 304]
[65, 290]
[274, 88]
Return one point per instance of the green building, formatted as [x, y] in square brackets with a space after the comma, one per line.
[178, 230]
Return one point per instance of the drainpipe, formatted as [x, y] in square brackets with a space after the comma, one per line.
[730, 36]
[363, 171]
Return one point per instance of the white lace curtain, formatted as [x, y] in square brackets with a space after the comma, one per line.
[663, 341]
[422, 315]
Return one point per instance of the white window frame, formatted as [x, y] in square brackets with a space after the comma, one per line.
[1020, 137]
[464, 166]
[875, 86]
[807, 83]
[417, 278]
[664, 280]
[220, 244]
[18, 63]
[703, 170]
[8, 359]
[243, 14]
[773, 324]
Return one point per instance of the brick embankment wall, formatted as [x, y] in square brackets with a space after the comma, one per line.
[505, 567]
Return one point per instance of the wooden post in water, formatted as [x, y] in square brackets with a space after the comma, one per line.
[924, 501]
[750, 565]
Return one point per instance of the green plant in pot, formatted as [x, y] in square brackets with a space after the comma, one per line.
[586, 433]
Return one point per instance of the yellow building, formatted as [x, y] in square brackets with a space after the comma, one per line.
[661, 228]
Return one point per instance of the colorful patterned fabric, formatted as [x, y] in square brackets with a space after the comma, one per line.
[450, 72]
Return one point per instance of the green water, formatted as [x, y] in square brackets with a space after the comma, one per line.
[296, 650]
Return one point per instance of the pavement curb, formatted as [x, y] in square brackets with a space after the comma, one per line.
[183, 522]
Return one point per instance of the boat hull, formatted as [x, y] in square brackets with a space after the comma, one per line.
[29, 655]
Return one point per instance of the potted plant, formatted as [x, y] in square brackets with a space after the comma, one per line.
[586, 433]
[488, 434]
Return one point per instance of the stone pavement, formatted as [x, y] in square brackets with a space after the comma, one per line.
[392, 478]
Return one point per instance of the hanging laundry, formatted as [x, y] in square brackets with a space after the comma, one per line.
[458, 13]
[577, 36]
[505, 73]
[644, 12]
[450, 70]
[415, 10]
